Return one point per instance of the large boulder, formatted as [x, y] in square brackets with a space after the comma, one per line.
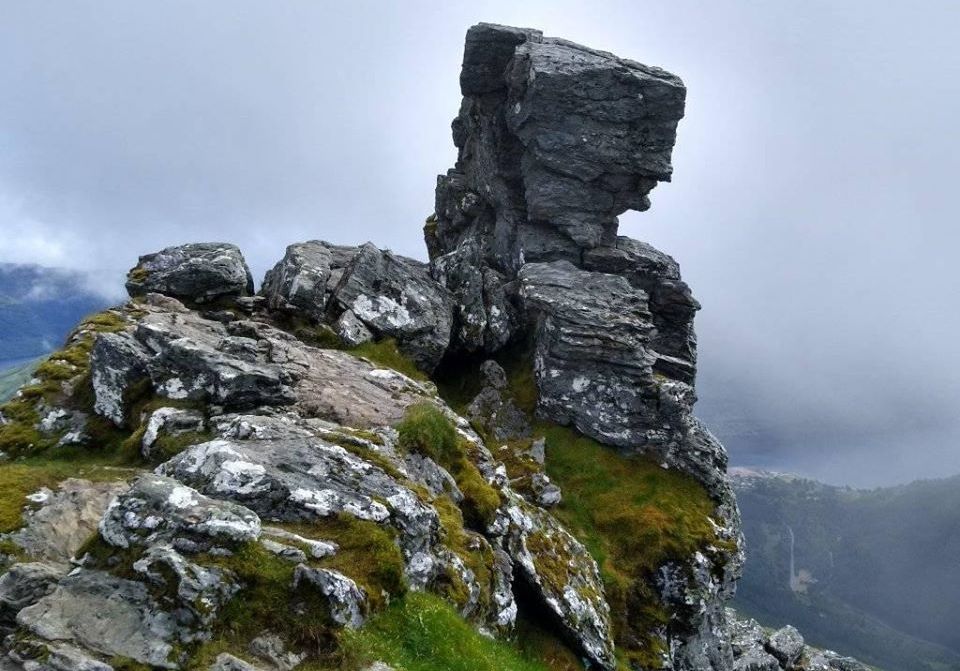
[198, 272]
[395, 297]
[161, 510]
[306, 275]
[108, 615]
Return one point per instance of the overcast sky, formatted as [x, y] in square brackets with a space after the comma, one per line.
[813, 208]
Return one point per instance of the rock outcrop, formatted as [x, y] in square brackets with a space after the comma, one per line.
[201, 272]
[280, 480]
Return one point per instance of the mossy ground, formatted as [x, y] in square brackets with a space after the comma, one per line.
[424, 633]
[425, 429]
[633, 516]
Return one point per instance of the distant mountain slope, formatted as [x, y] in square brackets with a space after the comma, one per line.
[38, 307]
[13, 378]
[874, 574]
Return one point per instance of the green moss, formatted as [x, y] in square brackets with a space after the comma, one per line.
[385, 353]
[633, 516]
[424, 633]
[72, 363]
[138, 274]
[425, 429]
[368, 554]
[472, 548]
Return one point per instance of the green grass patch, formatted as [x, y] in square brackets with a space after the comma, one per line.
[633, 516]
[385, 353]
[425, 429]
[368, 554]
[424, 633]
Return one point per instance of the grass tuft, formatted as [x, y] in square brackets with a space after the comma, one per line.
[385, 353]
[425, 429]
[424, 633]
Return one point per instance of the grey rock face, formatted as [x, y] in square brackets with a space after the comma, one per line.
[198, 272]
[65, 519]
[786, 645]
[160, 510]
[25, 584]
[169, 422]
[227, 662]
[299, 478]
[555, 141]
[116, 362]
[351, 330]
[396, 298]
[128, 622]
[347, 600]
[304, 278]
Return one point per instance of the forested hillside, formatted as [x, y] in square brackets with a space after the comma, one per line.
[873, 573]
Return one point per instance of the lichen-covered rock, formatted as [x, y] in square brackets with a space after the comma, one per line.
[351, 330]
[160, 510]
[347, 600]
[396, 298]
[117, 362]
[494, 411]
[227, 662]
[201, 590]
[23, 585]
[169, 422]
[303, 279]
[562, 575]
[300, 477]
[786, 645]
[486, 318]
[198, 272]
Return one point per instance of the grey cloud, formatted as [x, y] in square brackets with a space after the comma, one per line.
[812, 209]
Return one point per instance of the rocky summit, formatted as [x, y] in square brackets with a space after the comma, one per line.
[487, 461]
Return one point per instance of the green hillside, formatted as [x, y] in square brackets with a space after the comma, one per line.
[875, 574]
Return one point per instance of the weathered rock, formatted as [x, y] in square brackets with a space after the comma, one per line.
[107, 615]
[170, 422]
[198, 272]
[54, 656]
[351, 330]
[65, 519]
[485, 316]
[271, 648]
[347, 600]
[227, 662]
[117, 362]
[25, 584]
[247, 364]
[160, 510]
[304, 278]
[669, 300]
[786, 645]
[200, 590]
[297, 478]
[555, 141]
[494, 410]
[560, 572]
[396, 298]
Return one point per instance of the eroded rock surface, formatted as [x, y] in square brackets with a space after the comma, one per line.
[198, 272]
